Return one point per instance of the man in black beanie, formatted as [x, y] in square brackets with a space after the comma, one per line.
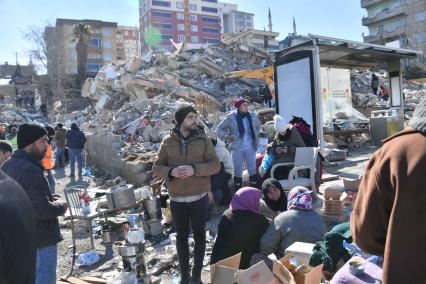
[25, 168]
[187, 159]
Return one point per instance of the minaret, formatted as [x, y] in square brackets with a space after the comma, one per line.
[294, 27]
[270, 19]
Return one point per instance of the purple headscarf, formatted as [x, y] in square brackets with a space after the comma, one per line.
[299, 198]
[246, 199]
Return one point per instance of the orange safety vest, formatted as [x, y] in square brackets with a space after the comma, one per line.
[47, 160]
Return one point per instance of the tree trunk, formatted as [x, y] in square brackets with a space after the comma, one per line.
[81, 49]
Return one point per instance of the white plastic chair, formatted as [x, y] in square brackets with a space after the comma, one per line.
[75, 208]
[305, 159]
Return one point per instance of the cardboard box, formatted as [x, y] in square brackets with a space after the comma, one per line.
[332, 220]
[301, 251]
[256, 274]
[332, 204]
[223, 271]
[351, 184]
[227, 271]
[287, 275]
[333, 192]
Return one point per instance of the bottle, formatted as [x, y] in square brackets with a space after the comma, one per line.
[175, 278]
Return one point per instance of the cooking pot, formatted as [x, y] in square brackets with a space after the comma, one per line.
[121, 197]
[128, 250]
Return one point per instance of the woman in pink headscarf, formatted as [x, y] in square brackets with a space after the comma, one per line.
[300, 223]
[241, 227]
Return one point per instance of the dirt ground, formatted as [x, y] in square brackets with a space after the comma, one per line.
[159, 250]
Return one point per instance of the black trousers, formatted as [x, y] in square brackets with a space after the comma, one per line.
[184, 214]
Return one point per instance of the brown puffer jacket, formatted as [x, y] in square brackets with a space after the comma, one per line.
[199, 152]
[389, 217]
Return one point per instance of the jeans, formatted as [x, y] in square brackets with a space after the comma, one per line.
[184, 214]
[75, 154]
[51, 181]
[46, 265]
[247, 154]
[60, 157]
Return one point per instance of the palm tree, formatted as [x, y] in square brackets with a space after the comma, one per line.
[81, 34]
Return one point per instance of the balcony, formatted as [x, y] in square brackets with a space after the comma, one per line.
[371, 38]
[385, 14]
[368, 3]
[386, 36]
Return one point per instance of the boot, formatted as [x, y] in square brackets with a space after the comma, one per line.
[238, 183]
[253, 180]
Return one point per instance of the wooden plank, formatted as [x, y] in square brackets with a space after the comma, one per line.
[94, 280]
[74, 280]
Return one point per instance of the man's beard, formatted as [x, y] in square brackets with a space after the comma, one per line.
[37, 154]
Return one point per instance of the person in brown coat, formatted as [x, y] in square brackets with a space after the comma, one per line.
[187, 159]
[60, 145]
[389, 217]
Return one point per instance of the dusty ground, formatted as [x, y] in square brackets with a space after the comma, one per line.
[158, 253]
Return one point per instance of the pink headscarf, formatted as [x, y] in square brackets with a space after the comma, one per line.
[299, 197]
[246, 199]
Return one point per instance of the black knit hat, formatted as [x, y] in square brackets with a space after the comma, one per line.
[50, 130]
[182, 112]
[28, 133]
[418, 121]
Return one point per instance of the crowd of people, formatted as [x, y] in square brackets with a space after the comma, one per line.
[261, 218]
[29, 206]
[264, 220]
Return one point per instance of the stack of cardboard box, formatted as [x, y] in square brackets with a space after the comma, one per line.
[227, 272]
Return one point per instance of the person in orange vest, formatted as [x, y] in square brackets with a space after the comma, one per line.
[47, 160]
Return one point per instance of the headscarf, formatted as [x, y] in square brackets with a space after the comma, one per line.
[246, 199]
[280, 204]
[300, 198]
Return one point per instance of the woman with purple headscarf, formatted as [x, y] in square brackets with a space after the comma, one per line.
[240, 228]
[300, 223]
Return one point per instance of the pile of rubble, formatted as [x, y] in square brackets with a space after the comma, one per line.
[136, 99]
[363, 97]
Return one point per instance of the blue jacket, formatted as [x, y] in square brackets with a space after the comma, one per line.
[75, 139]
[29, 173]
[229, 126]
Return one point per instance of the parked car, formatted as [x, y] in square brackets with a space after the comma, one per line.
[21, 80]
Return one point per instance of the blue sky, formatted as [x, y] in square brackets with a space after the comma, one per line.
[336, 18]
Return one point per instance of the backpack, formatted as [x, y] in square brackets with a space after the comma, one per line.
[305, 131]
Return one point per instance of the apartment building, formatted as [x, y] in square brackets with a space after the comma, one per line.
[61, 43]
[234, 21]
[128, 42]
[398, 23]
[197, 22]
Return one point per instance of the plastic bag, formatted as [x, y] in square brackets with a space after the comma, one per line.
[88, 258]
[124, 278]
[267, 161]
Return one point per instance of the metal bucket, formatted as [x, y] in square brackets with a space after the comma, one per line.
[155, 227]
[106, 236]
[121, 197]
